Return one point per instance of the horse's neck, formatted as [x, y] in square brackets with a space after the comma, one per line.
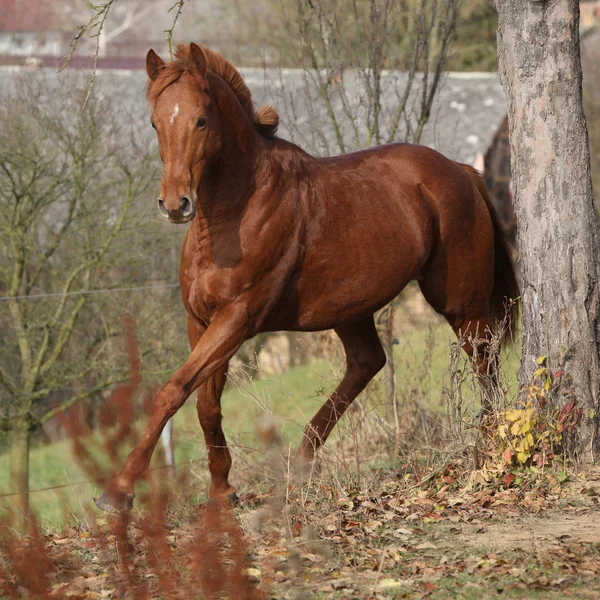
[262, 172]
[230, 182]
[222, 200]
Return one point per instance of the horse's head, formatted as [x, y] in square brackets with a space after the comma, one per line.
[186, 123]
[185, 114]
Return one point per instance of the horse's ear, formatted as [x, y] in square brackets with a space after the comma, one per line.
[198, 58]
[154, 63]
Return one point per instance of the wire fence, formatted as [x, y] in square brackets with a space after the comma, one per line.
[147, 287]
[91, 292]
[91, 481]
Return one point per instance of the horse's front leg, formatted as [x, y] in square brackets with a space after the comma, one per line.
[225, 334]
[209, 413]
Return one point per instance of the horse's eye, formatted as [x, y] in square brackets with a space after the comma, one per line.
[201, 122]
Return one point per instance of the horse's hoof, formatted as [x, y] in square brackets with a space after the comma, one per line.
[115, 502]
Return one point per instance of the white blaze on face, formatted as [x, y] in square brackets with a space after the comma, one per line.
[174, 114]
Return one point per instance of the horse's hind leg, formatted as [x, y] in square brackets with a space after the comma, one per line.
[466, 308]
[476, 337]
[364, 358]
[209, 413]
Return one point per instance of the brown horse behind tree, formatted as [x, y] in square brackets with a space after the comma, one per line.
[281, 240]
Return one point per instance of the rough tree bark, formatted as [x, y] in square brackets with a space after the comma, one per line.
[540, 68]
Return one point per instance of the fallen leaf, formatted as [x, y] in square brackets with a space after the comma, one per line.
[426, 546]
[508, 479]
[386, 584]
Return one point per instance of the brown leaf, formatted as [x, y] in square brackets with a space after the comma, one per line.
[508, 479]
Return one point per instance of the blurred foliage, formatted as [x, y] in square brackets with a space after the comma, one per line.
[261, 37]
[474, 45]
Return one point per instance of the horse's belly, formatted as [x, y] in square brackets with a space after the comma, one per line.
[345, 286]
[331, 302]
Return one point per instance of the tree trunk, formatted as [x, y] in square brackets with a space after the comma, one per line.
[19, 442]
[540, 68]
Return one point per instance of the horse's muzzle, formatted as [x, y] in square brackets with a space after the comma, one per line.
[185, 212]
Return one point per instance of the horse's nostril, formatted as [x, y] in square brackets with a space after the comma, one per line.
[162, 208]
[186, 205]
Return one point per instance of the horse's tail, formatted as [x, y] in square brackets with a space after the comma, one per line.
[504, 302]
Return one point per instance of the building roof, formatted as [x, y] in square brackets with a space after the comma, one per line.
[28, 16]
[464, 118]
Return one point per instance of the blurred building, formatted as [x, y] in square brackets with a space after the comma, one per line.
[30, 28]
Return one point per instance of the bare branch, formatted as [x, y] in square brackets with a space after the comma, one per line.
[178, 8]
[135, 13]
[79, 397]
[6, 382]
[67, 326]
[94, 29]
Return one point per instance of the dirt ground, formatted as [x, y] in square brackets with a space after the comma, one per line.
[534, 537]
[467, 547]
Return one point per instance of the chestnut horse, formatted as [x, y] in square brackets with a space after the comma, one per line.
[282, 240]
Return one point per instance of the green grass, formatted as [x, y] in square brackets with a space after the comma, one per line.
[421, 358]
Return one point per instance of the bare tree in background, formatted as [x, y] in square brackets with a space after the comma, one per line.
[106, 21]
[67, 181]
[357, 82]
[96, 26]
[539, 55]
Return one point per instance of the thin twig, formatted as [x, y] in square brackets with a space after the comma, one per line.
[95, 23]
[178, 7]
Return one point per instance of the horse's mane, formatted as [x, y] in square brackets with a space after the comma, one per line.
[265, 119]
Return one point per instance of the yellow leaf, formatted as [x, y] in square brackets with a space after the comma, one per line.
[541, 359]
[530, 440]
[515, 428]
[522, 457]
[540, 372]
[513, 415]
